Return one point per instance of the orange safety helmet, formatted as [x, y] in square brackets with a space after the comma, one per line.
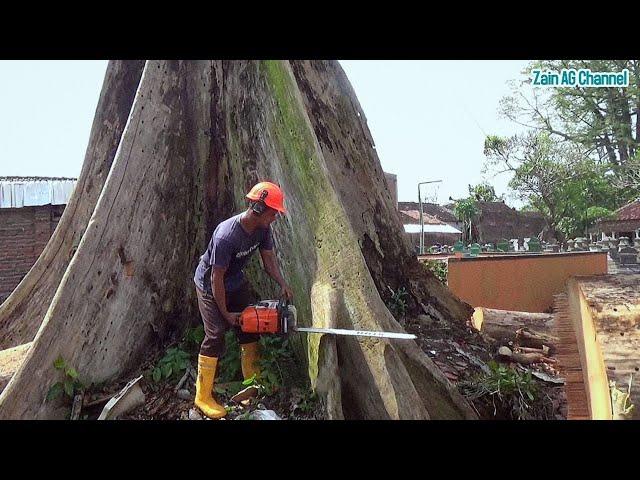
[270, 194]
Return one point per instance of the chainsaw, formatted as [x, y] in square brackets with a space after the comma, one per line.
[279, 317]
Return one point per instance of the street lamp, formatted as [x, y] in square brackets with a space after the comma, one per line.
[421, 218]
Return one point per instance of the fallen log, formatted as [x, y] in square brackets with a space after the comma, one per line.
[523, 358]
[543, 351]
[503, 326]
[539, 340]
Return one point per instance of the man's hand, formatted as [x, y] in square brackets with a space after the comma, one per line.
[271, 267]
[233, 318]
[286, 291]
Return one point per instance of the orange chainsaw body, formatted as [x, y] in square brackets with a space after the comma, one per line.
[260, 319]
[268, 316]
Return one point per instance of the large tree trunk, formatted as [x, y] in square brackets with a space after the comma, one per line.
[21, 314]
[199, 134]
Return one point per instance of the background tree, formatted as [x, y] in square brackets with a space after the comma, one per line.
[556, 178]
[483, 192]
[604, 120]
[580, 159]
[466, 210]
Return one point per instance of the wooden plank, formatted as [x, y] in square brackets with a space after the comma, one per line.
[568, 356]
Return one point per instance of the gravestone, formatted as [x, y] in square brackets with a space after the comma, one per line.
[602, 246]
[628, 255]
[503, 246]
[534, 245]
[580, 244]
[613, 248]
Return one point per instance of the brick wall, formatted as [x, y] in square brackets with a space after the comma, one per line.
[24, 232]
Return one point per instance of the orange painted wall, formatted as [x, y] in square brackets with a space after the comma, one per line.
[524, 283]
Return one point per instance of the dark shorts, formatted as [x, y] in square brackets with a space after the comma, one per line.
[215, 326]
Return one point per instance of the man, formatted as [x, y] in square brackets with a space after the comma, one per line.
[223, 291]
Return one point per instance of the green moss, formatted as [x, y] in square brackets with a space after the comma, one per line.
[323, 215]
[322, 230]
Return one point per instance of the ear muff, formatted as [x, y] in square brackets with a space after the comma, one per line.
[259, 206]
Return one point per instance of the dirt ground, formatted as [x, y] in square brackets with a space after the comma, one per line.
[458, 350]
[292, 401]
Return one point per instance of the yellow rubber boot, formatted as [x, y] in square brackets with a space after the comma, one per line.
[249, 357]
[204, 385]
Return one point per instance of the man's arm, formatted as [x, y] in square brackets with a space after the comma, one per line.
[217, 286]
[271, 267]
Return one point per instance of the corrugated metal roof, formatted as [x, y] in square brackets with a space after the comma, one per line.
[428, 228]
[17, 192]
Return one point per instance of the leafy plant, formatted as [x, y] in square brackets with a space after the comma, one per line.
[397, 304]
[192, 338]
[229, 366]
[274, 350]
[174, 363]
[438, 268]
[308, 402]
[229, 388]
[70, 385]
[507, 388]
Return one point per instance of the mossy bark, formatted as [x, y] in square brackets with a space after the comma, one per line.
[198, 136]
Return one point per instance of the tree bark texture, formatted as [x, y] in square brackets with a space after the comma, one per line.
[21, 314]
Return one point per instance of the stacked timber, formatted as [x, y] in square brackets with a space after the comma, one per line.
[505, 326]
[598, 325]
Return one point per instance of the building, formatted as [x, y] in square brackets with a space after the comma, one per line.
[30, 209]
[441, 213]
[435, 231]
[625, 223]
[496, 221]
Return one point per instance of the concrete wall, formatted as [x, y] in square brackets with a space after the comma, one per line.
[24, 232]
[519, 282]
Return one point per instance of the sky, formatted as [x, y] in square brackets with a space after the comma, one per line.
[46, 112]
[428, 118]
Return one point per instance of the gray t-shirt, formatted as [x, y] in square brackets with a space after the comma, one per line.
[230, 246]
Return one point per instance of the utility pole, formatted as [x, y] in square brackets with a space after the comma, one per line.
[421, 217]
